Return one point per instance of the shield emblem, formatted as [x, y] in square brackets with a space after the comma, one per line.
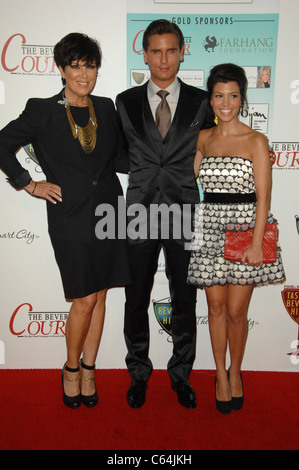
[290, 297]
[163, 312]
[30, 152]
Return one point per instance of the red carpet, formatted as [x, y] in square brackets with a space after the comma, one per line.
[33, 416]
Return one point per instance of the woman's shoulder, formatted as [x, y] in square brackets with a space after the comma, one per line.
[205, 134]
[101, 99]
[43, 102]
[258, 139]
[102, 102]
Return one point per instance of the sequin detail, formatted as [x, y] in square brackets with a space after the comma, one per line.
[207, 266]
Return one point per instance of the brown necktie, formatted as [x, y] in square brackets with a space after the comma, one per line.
[163, 115]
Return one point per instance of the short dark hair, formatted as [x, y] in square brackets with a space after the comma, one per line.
[225, 73]
[77, 46]
[162, 27]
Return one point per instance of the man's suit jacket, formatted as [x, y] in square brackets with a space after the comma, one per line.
[162, 170]
[44, 124]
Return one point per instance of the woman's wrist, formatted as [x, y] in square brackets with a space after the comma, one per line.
[30, 188]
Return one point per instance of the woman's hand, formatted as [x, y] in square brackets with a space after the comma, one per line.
[44, 190]
[253, 256]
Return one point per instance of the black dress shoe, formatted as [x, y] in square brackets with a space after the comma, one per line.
[71, 402]
[89, 400]
[224, 407]
[136, 393]
[237, 402]
[185, 393]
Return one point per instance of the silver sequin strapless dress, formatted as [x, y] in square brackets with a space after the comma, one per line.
[207, 266]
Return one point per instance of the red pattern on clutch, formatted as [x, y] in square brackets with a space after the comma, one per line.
[236, 243]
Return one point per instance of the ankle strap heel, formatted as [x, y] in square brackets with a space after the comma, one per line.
[71, 402]
[85, 366]
[89, 400]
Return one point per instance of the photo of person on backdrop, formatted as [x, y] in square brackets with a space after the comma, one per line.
[232, 161]
[264, 77]
[75, 137]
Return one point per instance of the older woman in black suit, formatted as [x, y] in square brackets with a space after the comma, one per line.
[76, 140]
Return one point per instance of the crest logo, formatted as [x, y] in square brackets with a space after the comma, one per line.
[30, 152]
[163, 313]
[290, 297]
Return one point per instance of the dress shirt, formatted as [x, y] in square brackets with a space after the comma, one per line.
[172, 99]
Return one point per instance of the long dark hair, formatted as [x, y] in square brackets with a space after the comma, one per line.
[225, 73]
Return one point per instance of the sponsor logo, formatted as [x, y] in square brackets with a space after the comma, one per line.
[290, 298]
[22, 58]
[210, 43]
[256, 116]
[286, 155]
[26, 322]
[26, 235]
[163, 314]
[30, 152]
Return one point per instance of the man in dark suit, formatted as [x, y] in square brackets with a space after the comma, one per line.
[162, 175]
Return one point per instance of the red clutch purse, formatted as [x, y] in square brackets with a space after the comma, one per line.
[236, 243]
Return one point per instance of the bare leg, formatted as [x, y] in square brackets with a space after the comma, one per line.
[216, 298]
[92, 342]
[237, 305]
[83, 333]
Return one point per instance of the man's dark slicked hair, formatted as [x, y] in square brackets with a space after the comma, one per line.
[162, 27]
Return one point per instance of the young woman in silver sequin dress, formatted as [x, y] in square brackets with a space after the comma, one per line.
[232, 161]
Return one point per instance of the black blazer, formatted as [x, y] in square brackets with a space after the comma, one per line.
[162, 170]
[44, 124]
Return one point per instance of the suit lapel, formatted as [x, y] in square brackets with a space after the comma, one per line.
[187, 108]
[185, 117]
[140, 115]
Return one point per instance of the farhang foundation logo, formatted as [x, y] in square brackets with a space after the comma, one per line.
[248, 45]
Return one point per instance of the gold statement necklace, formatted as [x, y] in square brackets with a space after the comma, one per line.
[87, 135]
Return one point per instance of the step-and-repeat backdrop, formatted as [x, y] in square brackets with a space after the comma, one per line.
[259, 35]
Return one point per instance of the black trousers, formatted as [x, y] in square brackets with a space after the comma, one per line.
[144, 262]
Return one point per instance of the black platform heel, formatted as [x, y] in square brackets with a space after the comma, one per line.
[224, 407]
[237, 402]
[89, 400]
[71, 402]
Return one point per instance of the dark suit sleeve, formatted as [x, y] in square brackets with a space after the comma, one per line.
[16, 134]
[122, 160]
[209, 118]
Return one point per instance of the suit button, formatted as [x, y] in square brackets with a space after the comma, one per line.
[95, 182]
[161, 165]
